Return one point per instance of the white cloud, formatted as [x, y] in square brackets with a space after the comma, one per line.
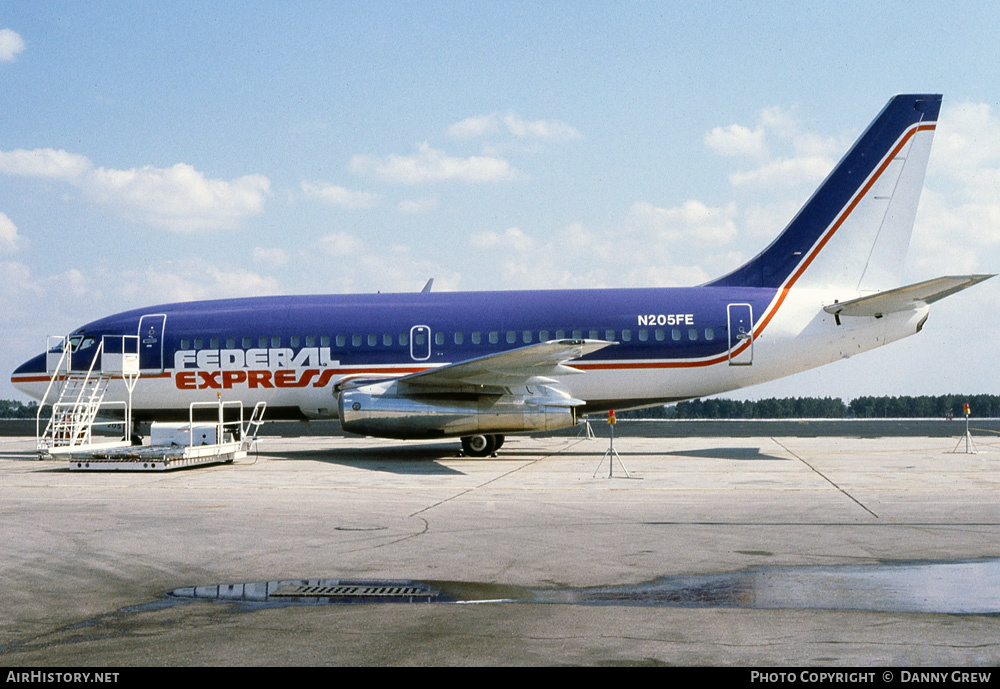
[416, 206]
[357, 267]
[191, 280]
[966, 150]
[273, 257]
[431, 165]
[958, 223]
[517, 126]
[339, 245]
[512, 238]
[692, 221]
[9, 239]
[546, 130]
[11, 44]
[472, 127]
[805, 158]
[340, 196]
[785, 172]
[736, 140]
[44, 162]
[784, 122]
[578, 257]
[763, 221]
[13, 274]
[179, 198]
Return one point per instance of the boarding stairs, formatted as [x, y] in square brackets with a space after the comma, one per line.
[74, 412]
[79, 394]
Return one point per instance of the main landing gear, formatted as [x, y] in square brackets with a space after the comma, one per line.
[481, 445]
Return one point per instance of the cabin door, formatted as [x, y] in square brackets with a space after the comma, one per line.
[151, 343]
[740, 334]
[420, 343]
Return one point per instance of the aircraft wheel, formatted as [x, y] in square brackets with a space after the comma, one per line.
[499, 438]
[479, 445]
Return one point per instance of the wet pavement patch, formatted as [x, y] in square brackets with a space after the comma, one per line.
[969, 587]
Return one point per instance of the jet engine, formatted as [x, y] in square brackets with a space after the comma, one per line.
[391, 409]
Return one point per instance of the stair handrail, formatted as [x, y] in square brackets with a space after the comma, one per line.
[64, 357]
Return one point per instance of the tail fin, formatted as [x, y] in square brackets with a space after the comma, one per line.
[855, 229]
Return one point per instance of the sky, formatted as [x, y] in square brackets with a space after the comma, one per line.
[155, 152]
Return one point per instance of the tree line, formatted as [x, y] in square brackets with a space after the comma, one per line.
[11, 409]
[907, 407]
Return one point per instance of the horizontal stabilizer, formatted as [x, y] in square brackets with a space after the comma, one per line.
[534, 364]
[904, 298]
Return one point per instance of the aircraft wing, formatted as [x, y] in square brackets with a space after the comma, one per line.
[903, 298]
[531, 365]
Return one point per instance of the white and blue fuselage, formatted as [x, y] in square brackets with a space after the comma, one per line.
[486, 363]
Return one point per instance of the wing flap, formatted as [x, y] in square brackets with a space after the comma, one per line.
[531, 365]
[904, 298]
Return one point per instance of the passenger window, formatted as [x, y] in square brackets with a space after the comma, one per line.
[341, 340]
[494, 337]
[526, 337]
[387, 339]
[609, 335]
[626, 335]
[560, 334]
[230, 342]
[511, 337]
[660, 335]
[295, 341]
[543, 335]
[262, 342]
[275, 341]
[356, 340]
[199, 342]
[675, 334]
[692, 333]
[247, 342]
[185, 343]
[404, 339]
[420, 338]
[310, 340]
[594, 335]
[324, 341]
[459, 338]
[372, 339]
[477, 337]
[709, 334]
[643, 335]
[577, 334]
[213, 343]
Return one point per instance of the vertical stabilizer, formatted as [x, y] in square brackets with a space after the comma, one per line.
[855, 229]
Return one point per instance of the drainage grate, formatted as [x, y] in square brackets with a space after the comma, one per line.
[352, 590]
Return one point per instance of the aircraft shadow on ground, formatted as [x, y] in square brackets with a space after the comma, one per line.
[744, 454]
[737, 453]
[401, 459]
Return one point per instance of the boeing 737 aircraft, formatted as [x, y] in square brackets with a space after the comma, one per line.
[478, 365]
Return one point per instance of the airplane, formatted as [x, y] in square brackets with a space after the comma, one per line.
[480, 365]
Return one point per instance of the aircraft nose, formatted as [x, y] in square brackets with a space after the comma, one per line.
[27, 376]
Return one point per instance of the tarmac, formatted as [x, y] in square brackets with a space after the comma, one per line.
[719, 551]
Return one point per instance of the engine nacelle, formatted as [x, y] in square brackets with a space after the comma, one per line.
[383, 410]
